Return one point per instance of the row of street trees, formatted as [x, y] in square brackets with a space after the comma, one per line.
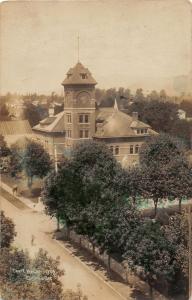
[29, 157]
[23, 277]
[94, 196]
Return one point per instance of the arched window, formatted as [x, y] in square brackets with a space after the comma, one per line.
[136, 149]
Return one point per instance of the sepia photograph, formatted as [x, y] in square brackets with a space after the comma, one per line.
[96, 150]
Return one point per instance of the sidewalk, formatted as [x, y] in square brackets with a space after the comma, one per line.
[39, 207]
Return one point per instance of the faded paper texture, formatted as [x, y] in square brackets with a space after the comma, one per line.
[135, 43]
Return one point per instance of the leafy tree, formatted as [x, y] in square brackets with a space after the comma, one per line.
[7, 231]
[186, 105]
[158, 161]
[4, 150]
[177, 232]
[162, 149]
[31, 113]
[139, 96]
[16, 160]
[83, 183]
[36, 161]
[27, 278]
[150, 253]
[179, 179]
[182, 129]
[4, 112]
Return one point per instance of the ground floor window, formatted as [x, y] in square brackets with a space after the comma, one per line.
[84, 133]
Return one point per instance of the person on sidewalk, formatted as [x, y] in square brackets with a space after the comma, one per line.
[15, 189]
[32, 240]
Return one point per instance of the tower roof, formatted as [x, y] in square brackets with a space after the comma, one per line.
[79, 75]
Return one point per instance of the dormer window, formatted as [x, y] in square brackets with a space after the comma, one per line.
[83, 75]
[142, 131]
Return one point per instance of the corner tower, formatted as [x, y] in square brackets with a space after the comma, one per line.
[79, 104]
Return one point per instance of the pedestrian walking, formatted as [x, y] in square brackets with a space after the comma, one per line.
[15, 189]
[32, 240]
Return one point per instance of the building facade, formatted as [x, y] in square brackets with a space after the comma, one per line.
[81, 121]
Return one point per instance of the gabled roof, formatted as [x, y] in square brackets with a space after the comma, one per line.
[118, 124]
[16, 127]
[75, 76]
[52, 124]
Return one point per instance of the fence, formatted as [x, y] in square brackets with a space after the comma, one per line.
[121, 269]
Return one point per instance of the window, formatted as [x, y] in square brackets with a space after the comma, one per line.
[131, 149]
[117, 150]
[69, 75]
[80, 118]
[142, 131]
[81, 134]
[68, 133]
[68, 118]
[86, 133]
[84, 118]
[146, 130]
[83, 75]
[136, 149]
[111, 148]
[138, 131]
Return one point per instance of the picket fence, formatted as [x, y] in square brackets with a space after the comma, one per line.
[121, 269]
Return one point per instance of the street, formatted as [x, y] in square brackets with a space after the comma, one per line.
[29, 222]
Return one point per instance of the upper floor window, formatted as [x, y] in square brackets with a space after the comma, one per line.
[68, 118]
[111, 148]
[69, 75]
[142, 131]
[84, 118]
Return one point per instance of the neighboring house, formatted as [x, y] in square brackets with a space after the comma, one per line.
[16, 109]
[181, 114]
[50, 133]
[15, 130]
[82, 121]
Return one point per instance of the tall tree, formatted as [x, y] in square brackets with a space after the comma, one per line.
[31, 113]
[7, 231]
[150, 253]
[4, 112]
[158, 157]
[36, 161]
[4, 150]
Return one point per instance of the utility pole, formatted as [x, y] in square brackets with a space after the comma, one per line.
[55, 158]
[56, 171]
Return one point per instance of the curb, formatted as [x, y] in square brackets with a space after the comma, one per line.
[90, 270]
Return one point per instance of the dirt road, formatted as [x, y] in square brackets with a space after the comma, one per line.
[29, 222]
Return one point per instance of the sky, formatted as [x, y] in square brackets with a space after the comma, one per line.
[133, 43]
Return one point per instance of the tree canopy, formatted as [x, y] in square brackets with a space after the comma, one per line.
[36, 161]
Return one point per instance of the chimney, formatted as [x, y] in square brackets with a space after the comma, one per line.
[135, 116]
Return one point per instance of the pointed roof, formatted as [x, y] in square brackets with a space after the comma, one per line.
[79, 75]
